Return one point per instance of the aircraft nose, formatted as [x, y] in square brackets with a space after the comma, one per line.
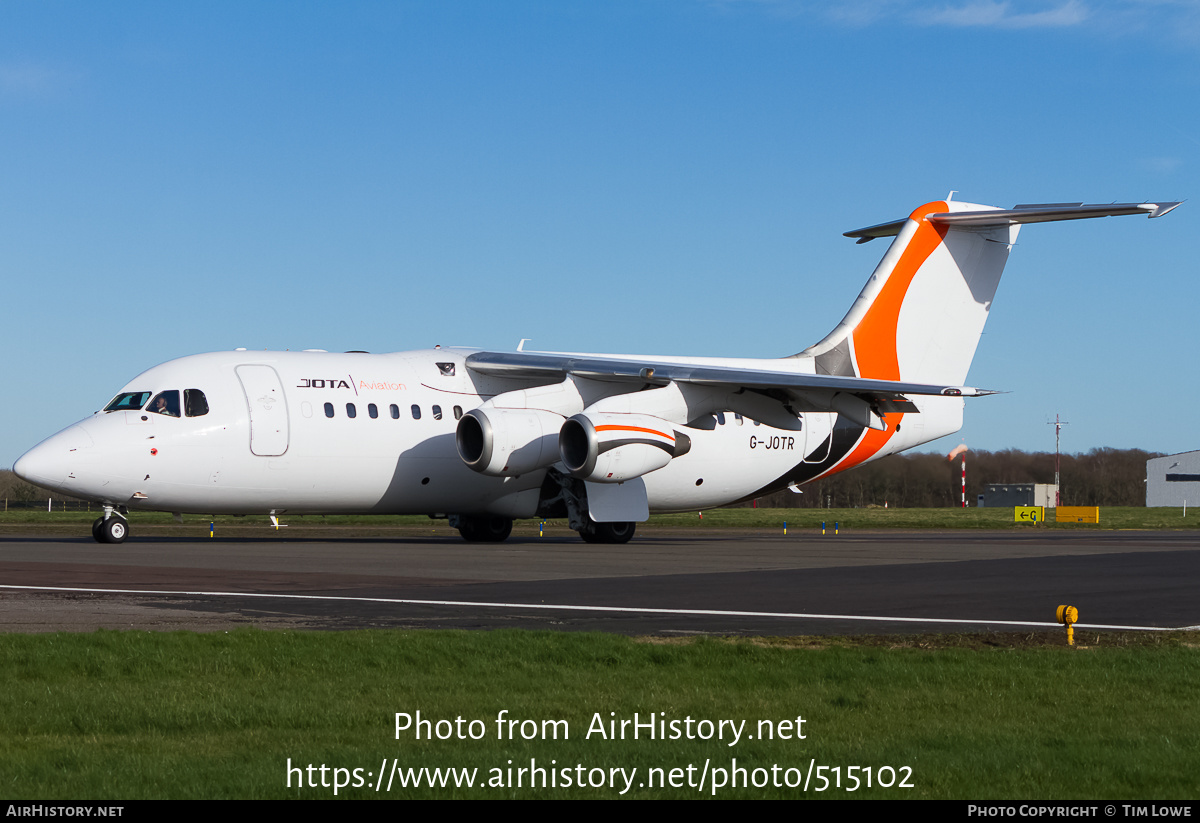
[48, 463]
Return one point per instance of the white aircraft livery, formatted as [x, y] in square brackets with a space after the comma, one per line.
[485, 437]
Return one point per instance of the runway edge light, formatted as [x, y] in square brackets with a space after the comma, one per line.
[1068, 615]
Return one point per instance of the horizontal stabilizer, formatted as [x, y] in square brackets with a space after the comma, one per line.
[1027, 213]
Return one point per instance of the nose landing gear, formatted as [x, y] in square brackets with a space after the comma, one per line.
[111, 528]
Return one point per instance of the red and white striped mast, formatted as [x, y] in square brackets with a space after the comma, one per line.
[961, 451]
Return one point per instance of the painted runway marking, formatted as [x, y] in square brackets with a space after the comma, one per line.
[622, 609]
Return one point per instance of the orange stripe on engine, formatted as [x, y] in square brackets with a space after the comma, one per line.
[875, 335]
[634, 429]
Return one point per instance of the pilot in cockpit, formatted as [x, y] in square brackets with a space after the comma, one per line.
[166, 403]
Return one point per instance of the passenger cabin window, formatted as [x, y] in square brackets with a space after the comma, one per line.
[721, 418]
[395, 410]
[458, 412]
[166, 404]
[195, 404]
[416, 411]
[437, 412]
[129, 401]
[372, 410]
[351, 411]
[329, 410]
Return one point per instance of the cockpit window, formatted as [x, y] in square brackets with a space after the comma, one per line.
[195, 403]
[166, 403]
[129, 401]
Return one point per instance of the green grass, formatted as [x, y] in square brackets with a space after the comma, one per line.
[141, 715]
[810, 520]
[1111, 517]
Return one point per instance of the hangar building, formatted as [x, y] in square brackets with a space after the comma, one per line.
[1174, 479]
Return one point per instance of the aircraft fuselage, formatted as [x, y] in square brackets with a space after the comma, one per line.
[318, 432]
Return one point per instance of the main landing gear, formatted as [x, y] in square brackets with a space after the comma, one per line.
[490, 529]
[593, 532]
[562, 496]
[482, 528]
[566, 496]
[111, 528]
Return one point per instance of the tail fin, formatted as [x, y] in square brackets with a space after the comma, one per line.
[920, 316]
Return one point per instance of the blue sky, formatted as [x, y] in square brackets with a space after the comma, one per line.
[655, 176]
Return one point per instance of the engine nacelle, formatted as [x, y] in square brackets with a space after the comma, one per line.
[612, 448]
[508, 442]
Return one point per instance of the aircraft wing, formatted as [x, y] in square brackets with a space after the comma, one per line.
[553, 366]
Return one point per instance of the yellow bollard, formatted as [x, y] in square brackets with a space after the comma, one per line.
[1068, 615]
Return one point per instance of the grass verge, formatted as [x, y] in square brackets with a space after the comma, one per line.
[798, 521]
[145, 715]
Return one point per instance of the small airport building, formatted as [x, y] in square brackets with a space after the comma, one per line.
[1007, 495]
[1173, 480]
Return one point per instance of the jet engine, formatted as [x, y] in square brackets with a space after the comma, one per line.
[508, 442]
[612, 448]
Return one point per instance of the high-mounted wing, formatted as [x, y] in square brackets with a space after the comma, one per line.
[553, 366]
[771, 395]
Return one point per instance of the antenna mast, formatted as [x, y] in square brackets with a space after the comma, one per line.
[1058, 424]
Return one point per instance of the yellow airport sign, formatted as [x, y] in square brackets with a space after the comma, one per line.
[1029, 514]
[1077, 514]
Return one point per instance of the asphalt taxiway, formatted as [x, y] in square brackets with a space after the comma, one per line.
[661, 583]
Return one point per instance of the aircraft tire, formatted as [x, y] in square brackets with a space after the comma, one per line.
[615, 532]
[96, 530]
[497, 529]
[486, 529]
[610, 533]
[114, 530]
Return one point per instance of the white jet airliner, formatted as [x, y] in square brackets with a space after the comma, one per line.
[602, 440]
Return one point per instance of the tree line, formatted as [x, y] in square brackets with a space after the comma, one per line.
[15, 489]
[1100, 477]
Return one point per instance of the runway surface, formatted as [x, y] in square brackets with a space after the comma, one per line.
[1143, 579]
